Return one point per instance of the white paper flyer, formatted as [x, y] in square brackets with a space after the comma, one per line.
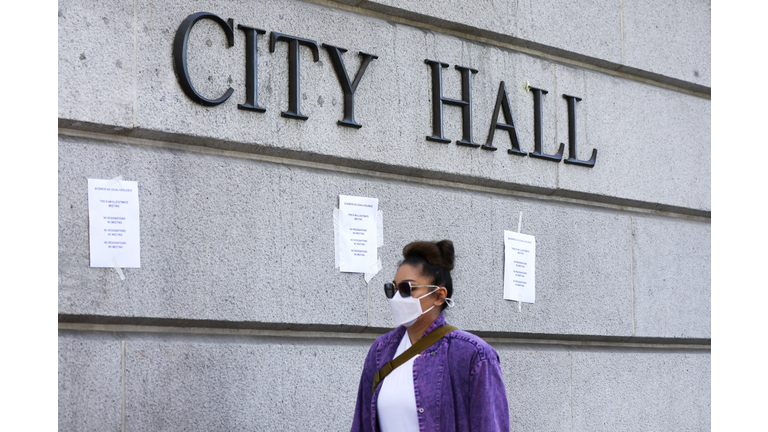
[357, 233]
[113, 223]
[519, 267]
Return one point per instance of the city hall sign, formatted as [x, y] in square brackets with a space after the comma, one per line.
[349, 87]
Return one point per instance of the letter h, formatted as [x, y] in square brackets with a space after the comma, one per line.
[438, 100]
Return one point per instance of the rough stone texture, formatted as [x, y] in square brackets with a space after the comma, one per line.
[246, 384]
[486, 17]
[638, 129]
[237, 240]
[231, 383]
[90, 386]
[586, 28]
[672, 296]
[670, 37]
[662, 154]
[221, 239]
[538, 387]
[591, 28]
[582, 259]
[96, 66]
[641, 391]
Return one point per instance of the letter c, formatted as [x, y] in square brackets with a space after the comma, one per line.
[180, 55]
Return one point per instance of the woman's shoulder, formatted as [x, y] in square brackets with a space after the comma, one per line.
[472, 344]
[384, 345]
[392, 336]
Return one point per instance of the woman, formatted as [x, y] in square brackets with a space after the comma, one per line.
[454, 384]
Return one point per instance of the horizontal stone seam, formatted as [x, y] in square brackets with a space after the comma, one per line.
[523, 46]
[78, 129]
[114, 324]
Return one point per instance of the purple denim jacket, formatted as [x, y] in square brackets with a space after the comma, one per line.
[457, 381]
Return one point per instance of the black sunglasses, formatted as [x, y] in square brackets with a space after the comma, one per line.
[405, 288]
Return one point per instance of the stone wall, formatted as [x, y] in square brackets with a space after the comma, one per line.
[237, 318]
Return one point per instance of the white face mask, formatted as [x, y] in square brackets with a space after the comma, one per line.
[405, 310]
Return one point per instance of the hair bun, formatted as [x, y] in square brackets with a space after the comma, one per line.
[438, 253]
[446, 247]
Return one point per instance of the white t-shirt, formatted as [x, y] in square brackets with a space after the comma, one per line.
[396, 406]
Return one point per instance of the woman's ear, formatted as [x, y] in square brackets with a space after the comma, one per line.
[440, 294]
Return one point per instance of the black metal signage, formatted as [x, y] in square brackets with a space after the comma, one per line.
[349, 88]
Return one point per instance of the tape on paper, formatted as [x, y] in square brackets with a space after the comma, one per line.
[337, 248]
[372, 272]
[379, 228]
[118, 269]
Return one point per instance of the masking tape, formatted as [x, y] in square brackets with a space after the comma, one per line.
[372, 272]
[117, 179]
[337, 257]
[118, 269]
[379, 228]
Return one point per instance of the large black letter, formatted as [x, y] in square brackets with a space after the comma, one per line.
[438, 100]
[572, 159]
[293, 69]
[537, 146]
[180, 55]
[502, 101]
[251, 70]
[348, 88]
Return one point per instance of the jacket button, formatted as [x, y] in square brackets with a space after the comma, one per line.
[421, 410]
[433, 353]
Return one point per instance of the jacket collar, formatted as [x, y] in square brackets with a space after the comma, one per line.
[439, 322]
[400, 331]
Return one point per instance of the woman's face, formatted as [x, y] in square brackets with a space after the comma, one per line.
[406, 273]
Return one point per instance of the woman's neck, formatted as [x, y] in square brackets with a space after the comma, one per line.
[416, 331]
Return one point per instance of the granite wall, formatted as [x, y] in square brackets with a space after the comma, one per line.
[237, 318]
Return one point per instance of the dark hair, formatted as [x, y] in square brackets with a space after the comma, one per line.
[435, 260]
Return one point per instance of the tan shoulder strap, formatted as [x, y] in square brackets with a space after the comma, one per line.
[422, 344]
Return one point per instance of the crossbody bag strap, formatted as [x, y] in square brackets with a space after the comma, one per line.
[422, 344]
